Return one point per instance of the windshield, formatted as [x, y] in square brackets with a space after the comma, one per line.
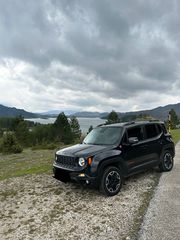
[104, 136]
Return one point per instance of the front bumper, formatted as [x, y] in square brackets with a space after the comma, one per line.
[83, 178]
[75, 175]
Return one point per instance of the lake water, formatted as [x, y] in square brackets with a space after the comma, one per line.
[84, 123]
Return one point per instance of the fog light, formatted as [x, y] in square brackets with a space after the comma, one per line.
[81, 175]
[87, 182]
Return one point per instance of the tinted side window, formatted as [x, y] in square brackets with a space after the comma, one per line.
[159, 128]
[124, 139]
[135, 132]
[151, 131]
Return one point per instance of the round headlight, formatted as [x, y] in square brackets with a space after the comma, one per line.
[82, 162]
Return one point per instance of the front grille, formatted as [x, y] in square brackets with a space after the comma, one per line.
[66, 161]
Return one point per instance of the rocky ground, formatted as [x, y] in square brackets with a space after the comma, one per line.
[40, 207]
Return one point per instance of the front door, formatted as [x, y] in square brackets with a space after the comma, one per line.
[135, 155]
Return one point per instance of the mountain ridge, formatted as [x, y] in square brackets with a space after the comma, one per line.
[14, 112]
[160, 112]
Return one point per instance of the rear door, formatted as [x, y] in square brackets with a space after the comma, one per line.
[153, 133]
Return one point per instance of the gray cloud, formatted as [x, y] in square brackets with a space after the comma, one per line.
[90, 54]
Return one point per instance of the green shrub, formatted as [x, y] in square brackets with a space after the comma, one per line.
[17, 148]
[49, 146]
[10, 145]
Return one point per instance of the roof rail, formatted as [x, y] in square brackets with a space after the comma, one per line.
[102, 124]
[129, 123]
[154, 120]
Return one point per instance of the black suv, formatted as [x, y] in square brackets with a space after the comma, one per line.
[109, 153]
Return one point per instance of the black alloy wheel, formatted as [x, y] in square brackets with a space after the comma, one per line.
[167, 162]
[111, 181]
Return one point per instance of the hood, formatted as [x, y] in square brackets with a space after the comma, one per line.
[83, 150]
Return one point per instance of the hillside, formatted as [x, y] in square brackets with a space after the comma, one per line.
[158, 113]
[13, 112]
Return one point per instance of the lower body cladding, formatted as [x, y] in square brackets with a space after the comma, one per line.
[79, 177]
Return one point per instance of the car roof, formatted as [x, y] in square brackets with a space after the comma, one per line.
[130, 124]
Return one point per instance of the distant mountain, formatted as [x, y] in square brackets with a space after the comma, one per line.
[87, 114]
[158, 113]
[13, 112]
[57, 112]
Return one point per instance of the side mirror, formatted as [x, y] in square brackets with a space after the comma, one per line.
[133, 140]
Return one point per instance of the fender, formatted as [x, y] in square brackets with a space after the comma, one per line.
[110, 157]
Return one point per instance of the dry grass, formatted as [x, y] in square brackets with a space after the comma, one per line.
[27, 162]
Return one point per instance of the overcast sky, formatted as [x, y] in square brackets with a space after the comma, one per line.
[89, 55]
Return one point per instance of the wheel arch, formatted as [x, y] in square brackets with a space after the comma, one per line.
[110, 162]
[167, 149]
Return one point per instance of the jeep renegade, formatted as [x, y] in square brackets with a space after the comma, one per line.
[110, 153]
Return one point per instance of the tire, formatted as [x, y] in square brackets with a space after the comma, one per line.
[167, 162]
[111, 181]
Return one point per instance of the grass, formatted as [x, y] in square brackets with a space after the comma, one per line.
[30, 161]
[27, 162]
[176, 135]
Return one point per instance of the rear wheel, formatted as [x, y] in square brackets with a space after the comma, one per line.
[167, 162]
[111, 181]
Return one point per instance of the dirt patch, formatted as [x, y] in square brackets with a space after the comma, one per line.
[40, 207]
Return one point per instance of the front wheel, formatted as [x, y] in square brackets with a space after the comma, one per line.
[111, 181]
[167, 162]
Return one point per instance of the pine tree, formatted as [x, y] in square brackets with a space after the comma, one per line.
[75, 127]
[173, 119]
[63, 129]
[21, 130]
[112, 118]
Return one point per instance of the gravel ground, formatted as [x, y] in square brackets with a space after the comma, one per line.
[40, 207]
